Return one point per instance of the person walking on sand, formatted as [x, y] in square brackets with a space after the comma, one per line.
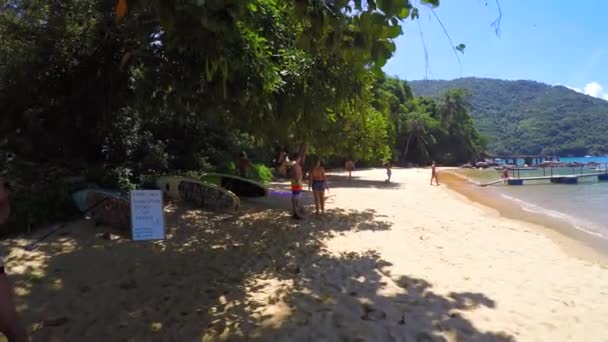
[10, 325]
[434, 173]
[296, 186]
[350, 167]
[318, 183]
[388, 165]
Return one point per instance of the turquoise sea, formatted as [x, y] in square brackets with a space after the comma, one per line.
[584, 206]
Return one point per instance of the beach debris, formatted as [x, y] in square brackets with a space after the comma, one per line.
[372, 314]
[402, 320]
[55, 322]
[109, 236]
[156, 327]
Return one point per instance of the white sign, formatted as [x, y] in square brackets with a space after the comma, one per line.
[147, 216]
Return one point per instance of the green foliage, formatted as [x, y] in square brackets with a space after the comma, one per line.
[182, 87]
[39, 203]
[228, 168]
[262, 173]
[525, 117]
[39, 194]
[120, 178]
[421, 129]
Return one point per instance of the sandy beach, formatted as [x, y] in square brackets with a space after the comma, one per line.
[399, 262]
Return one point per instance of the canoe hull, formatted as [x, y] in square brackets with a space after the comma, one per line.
[201, 194]
[241, 187]
[105, 207]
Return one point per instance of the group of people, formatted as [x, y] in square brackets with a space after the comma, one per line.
[389, 165]
[318, 182]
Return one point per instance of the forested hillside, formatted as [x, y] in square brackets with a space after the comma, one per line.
[529, 117]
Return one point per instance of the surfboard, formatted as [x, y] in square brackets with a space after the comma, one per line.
[240, 186]
[202, 194]
[104, 206]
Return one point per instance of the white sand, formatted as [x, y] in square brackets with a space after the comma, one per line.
[405, 262]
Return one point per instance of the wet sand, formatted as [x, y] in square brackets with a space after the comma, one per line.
[399, 262]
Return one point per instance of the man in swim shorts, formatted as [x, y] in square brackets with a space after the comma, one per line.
[296, 186]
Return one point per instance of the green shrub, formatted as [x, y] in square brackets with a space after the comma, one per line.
[120, 178]
[39, 194]
[37, 204]
[261, 173]
[228, 168]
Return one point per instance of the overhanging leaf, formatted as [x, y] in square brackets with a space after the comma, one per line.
[121, 9]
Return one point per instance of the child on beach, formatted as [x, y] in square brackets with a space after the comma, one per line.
[388, 165]
[434, 173]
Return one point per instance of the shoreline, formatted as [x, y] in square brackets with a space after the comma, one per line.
[574, 241]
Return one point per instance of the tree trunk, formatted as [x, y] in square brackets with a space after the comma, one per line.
[407, 147]
[302, 151]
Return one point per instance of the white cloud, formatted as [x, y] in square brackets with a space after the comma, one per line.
[578, 90]
[592, 89]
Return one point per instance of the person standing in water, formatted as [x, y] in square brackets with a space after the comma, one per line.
[350, 167]
[9, 319]
[318, 183]
[296, 186]
[434, 173]
[389, 172]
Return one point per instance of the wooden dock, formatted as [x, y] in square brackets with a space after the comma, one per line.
[560, 179]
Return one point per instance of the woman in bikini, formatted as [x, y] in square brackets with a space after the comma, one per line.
[318, 183]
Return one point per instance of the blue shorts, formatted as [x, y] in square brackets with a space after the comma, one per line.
[318, 185]
[296, 193]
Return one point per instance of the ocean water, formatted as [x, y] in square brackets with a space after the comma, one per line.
[584, 205]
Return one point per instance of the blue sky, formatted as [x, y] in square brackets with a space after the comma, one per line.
[550, 41]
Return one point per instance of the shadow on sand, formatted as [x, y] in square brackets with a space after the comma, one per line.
[341, 181]
[252, 276]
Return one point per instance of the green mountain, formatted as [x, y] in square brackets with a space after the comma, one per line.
[527, 117]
